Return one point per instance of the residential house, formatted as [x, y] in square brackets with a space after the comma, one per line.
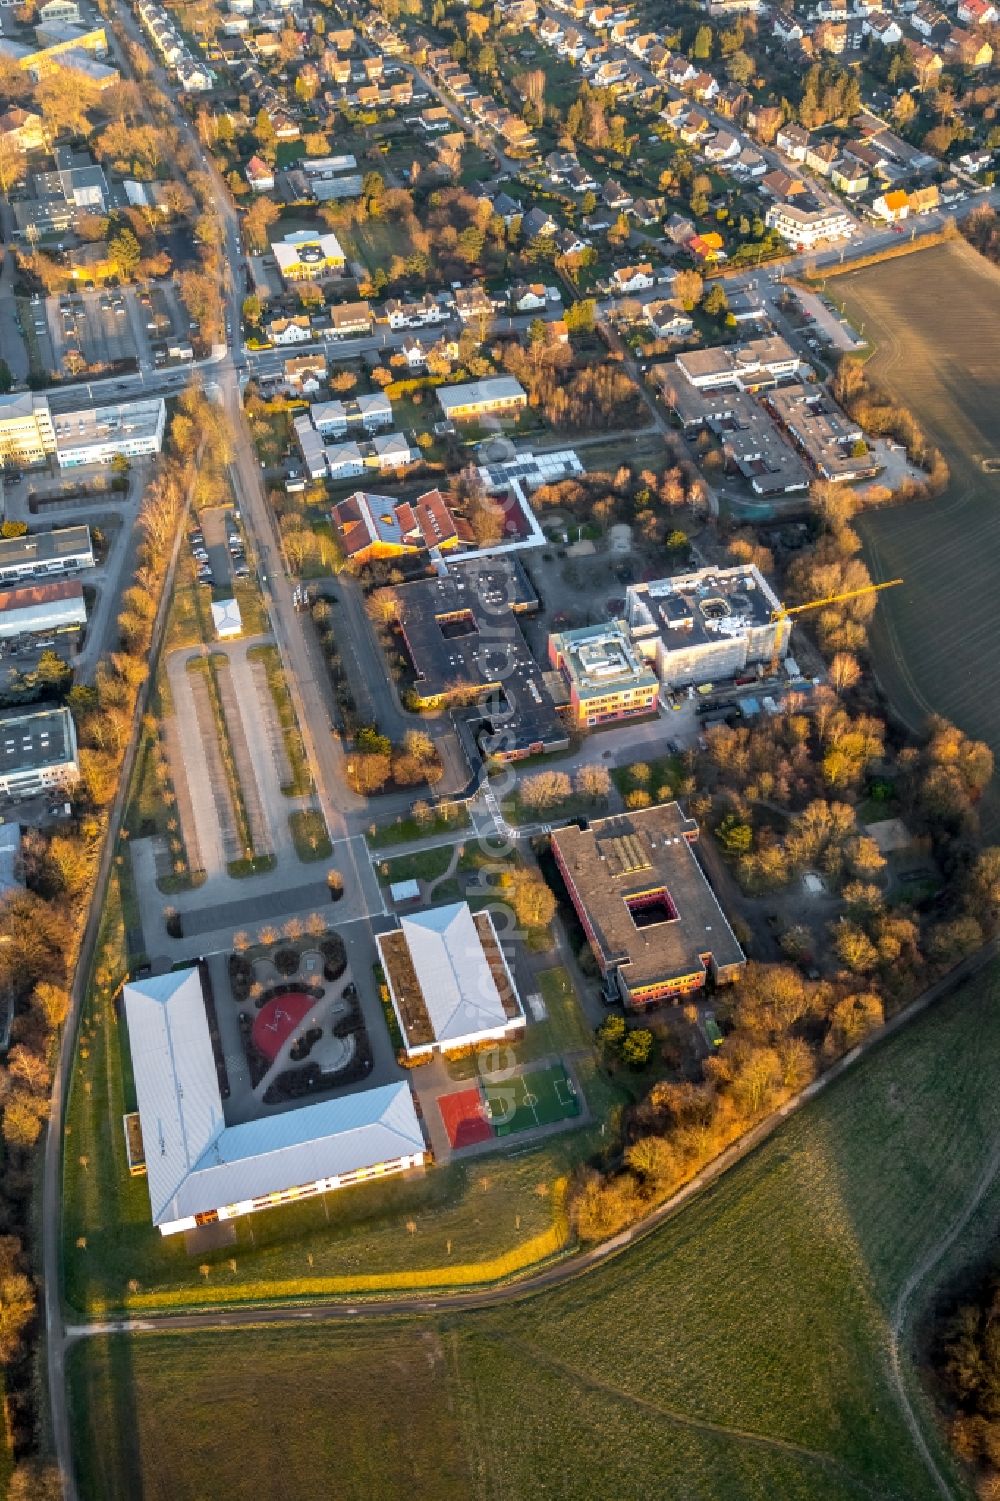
[977, 13]
[972, 51]
[628, 279]
[892, 206]
[351, 319]
[821, 157]
[786, 26]
[849, 176]
[723, 147]
[793, 141]
[883, 29]
[615, 197]
[528, 299]
[537, 224]
[297, 330]
[473, 304]
[304, 373]
[259, 175]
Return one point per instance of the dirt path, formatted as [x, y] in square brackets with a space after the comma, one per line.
[900, 1313]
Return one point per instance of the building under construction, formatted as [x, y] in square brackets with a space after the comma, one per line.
[705, 626]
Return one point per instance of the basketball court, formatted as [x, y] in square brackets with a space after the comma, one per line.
[464, 1117]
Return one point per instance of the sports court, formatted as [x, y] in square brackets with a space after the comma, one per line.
[464, 1117]
[538, 1098]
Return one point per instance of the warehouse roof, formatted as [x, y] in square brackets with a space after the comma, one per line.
[194, 1161]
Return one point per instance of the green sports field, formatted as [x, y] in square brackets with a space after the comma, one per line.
[541, 1097]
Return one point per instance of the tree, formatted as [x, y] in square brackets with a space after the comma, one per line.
[716, 302]
[702, 48]
[35, 1480]
[581, 316]
[637, 1049]
[687, 288]
[593, 782]
[532, 901]
[257, 221]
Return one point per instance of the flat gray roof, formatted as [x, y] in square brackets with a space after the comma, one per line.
[45, 547]
[34, 738]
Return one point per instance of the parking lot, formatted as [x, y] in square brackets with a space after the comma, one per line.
[92, 327]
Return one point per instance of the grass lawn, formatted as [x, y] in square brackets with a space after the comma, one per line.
[737, 1354]
[664, 771]
[312, 842]
[330, 1455]
[404, 830]
[300, 781]
[423, 865]
[375, 242]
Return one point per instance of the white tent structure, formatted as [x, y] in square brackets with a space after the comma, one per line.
[199, 1169]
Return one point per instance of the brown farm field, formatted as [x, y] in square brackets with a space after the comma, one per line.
[934, 319]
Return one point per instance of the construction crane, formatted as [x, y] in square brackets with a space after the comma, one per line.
[784, 611]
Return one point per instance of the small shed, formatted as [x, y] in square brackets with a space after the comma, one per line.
[227, 619]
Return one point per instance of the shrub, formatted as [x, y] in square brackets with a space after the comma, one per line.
[286, 961]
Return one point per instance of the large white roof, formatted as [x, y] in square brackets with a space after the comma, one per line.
[176, 1083]
[455, 978]
[194, 1161]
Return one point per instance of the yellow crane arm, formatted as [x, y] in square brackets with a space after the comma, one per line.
[832, 599]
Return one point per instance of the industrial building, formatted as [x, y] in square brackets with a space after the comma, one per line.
[481, 398]
[37, 751]
[96, 435]
[448, 981]
[41, 609]
[44, 554]
[606, 676]
[653, 922]
[705, 626]
[463, 638]
[26, 435]
[201, 1170]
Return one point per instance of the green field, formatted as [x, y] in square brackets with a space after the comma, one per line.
[740, 1353]
[935, 320]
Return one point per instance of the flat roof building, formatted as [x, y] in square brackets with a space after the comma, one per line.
[708, 625]
[199, 1169]
[26, 435]
[479, 398]
[37, 751]
[747, 367]
[606, 676]
[96, 435]
[751, 439]
[654, 924]
[307, 256]
[34, 609]
[448, 980]
[466, 646]
[833, 443]
[42, 554]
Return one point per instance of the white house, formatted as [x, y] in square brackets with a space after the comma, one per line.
[633, 278]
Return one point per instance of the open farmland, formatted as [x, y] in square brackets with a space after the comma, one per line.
[740, 1352]
[935, 321]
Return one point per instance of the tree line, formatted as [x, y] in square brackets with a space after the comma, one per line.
[41, 926]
